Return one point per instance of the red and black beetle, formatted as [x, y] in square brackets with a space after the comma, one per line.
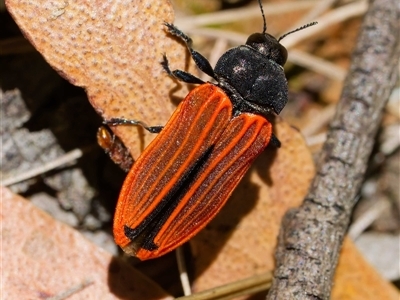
[185, 176]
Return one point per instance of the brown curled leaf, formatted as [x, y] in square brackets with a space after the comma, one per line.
[113, 50]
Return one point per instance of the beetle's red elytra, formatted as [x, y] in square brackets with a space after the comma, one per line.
[188, 172]
[185, 176]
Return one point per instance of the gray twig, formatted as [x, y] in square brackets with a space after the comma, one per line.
[311, 235]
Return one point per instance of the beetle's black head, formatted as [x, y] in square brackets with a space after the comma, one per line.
[267, 45]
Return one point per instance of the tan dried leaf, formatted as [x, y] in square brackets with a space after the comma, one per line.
[356, 279]
[113, 50]
[44, 258]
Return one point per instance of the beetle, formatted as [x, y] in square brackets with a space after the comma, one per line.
[188, 172]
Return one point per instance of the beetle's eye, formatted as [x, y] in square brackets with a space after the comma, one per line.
[284, 55]
[256, 38]
[267, 45]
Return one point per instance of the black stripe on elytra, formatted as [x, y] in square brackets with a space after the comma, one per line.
[147, 230]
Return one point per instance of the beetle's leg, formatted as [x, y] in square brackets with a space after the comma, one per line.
[122, 121]
[113, 146]
[201, 62]
[179, 74]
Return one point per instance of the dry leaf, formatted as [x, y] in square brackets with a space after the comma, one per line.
[42, 257]
[113, 50]
[355, 279]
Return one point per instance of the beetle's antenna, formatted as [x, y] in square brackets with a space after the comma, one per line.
[262, 13]
[298, 29]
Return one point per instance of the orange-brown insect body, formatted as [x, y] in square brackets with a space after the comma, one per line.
[185, 176]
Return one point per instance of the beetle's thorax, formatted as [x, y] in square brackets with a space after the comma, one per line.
[255, 71]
